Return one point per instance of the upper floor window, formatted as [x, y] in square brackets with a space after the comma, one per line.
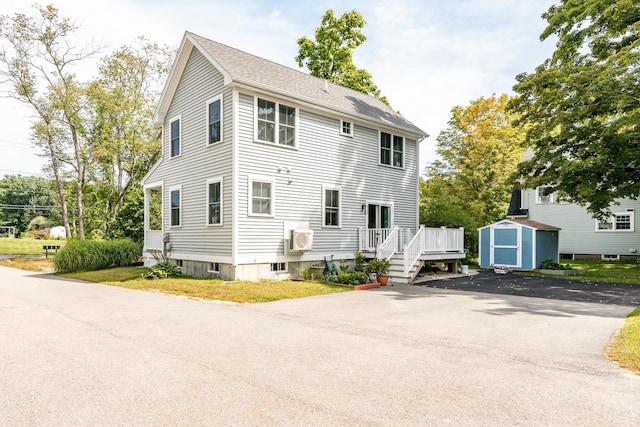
[271, 115]
[176, 202]
[331, 203]
[214, 120]
[175, 137]
[543, 195]
[214, 201]
[391, 150]
[261, 196]
[622, 221]
[346, 128]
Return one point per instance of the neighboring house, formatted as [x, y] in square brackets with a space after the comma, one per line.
[582, 236]
[265, 170]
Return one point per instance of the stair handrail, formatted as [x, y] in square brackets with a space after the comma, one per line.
[412, 251]
[389, 246]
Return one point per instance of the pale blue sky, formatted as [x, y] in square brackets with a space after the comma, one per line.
[427, 56]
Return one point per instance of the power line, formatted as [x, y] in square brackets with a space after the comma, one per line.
[22, 172]
[25, 207]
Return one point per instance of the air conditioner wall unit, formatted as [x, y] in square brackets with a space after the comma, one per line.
[301, 240]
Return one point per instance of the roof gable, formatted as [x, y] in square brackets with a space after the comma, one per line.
[244, 69]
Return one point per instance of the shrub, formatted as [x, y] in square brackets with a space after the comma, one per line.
[162, 270]
[349, 278]
[89, 255]
[549, 264]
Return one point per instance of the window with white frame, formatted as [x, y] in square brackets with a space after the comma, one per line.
[331, 207]
[214, 201]
[176, 206]
[544, 195]
[214, 120]
[620, 221]
[346, 128]
[391, 150]
[175, 137]
[214, 267]
[279, 267]
[261, 192]
[271, 115]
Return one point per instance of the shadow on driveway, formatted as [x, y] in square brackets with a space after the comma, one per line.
[542, 287]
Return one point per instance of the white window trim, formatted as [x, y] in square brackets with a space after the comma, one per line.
[551, 196]
[173, 119]
[277, 123]
[324, 195]
[213, 270]
[213, 181]
[172, 189]
[342, 132]
[404, 152]
[206, 120]
[285, 270]
[272, 181]
[613, 221]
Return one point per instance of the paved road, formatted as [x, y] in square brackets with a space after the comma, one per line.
[74, 353]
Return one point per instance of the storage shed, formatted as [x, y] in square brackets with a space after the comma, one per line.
[517, 244]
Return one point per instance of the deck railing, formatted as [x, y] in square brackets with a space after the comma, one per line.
[390, 245]
[434, 240]
[367, 238]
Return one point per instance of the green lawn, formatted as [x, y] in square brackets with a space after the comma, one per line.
[262, 291]
[605, 272]
[625, 346]
[26, 246]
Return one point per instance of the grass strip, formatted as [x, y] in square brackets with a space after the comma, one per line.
[625, 346]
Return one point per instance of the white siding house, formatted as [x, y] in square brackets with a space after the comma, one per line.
[582, 236]
[265, 170]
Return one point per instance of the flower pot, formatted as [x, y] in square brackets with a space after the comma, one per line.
[382, 279]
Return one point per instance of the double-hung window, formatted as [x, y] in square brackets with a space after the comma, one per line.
[391, 150]
[261, 193]
[331, 207]
[214, 120]
[176, 206]
[620, 221]
[543, 196]
[214, 201]
[275, 123]
[175, 137]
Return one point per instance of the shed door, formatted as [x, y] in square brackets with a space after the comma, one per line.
[506, 246]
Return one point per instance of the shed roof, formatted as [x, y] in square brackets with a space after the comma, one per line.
[245, 69]
[527, 223]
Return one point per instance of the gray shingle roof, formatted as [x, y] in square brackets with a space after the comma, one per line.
[251, 70]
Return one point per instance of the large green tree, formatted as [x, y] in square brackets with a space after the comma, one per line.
[582, 105]
[471, 185]
[330, 55]
[23, 198]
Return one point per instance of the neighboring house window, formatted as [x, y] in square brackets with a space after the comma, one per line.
[331, 204]
[270, 115]
[623, 221]
[214, 120]
[261, 196]
[543, 196]
[214, 201]
[346, 128]
[175, 137]
[176, 202]
[391, 150]
[279, 267]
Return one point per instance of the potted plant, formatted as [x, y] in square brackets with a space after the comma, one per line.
[361, 262]
[380, 266]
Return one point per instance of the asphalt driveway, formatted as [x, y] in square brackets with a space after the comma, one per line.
[74, 353]
[487, 281]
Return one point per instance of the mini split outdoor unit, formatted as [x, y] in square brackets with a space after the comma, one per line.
[300, 240]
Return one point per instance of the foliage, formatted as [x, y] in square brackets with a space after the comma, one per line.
[26, 198]
[349, 278]
[625, 346]
[163, 270]
[379, 266]
[88, 255]
[330, 56]
[550, 264]
[471, 186]
[583, 105]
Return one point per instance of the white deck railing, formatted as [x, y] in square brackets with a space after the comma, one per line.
[153, 239]
[390, 245]
[367, 238]
[434, 240]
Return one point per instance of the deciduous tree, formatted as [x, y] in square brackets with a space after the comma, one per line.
[583, 105]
